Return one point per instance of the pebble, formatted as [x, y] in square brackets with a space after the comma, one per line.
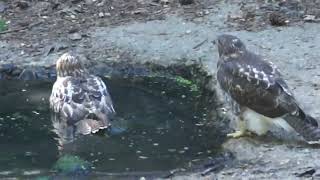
[309, 18]
[172, 150]
[29, 173]
[143, 157]
[75, 36]
[100, 4]
[101, 14]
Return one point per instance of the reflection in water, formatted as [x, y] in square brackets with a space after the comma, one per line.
[158, 126]
[65, 133]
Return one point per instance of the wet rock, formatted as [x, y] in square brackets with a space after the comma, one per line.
[75, 36]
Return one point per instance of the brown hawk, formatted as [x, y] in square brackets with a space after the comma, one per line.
[80, 101]
[256, 87]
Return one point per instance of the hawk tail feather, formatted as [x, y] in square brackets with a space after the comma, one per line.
[88, 126]
[308, 118]
[306, 126]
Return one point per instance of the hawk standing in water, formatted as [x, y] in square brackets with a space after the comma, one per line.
[80, 101]
[258, 90]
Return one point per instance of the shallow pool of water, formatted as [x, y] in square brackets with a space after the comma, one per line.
[166, 126]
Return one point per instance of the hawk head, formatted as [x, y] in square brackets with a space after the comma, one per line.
[68, 65]
[230, 46]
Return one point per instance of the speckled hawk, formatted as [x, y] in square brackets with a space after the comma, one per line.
[260, 93]
[80, 101]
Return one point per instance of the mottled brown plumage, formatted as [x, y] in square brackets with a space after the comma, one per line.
[257, 86]
[80, 101]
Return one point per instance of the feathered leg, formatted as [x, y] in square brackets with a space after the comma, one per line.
[241, 126]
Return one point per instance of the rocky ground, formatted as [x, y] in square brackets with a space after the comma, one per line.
[164, 32]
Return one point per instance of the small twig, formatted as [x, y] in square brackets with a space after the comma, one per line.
[154, 4]
[200, 44]
[21, 28]
[208, 170]
[171, 173]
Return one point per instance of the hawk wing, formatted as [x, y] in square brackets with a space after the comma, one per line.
[74, 99]
[256, 84]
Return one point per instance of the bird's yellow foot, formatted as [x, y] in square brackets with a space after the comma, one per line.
[238, 134]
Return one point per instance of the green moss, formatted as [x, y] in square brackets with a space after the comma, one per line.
[194, 88]
[3, 25]
[182, 81]
[187, 83]
[71, 164]
[42, 178]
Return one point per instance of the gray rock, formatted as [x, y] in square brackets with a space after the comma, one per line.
[3, 6]
[75, 36]
[309, 18]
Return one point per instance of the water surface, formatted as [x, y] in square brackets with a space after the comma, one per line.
[166, 126]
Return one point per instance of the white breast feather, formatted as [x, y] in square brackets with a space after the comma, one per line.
[260, 124]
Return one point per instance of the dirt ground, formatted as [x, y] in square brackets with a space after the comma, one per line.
[35, 26]
[165, 32]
